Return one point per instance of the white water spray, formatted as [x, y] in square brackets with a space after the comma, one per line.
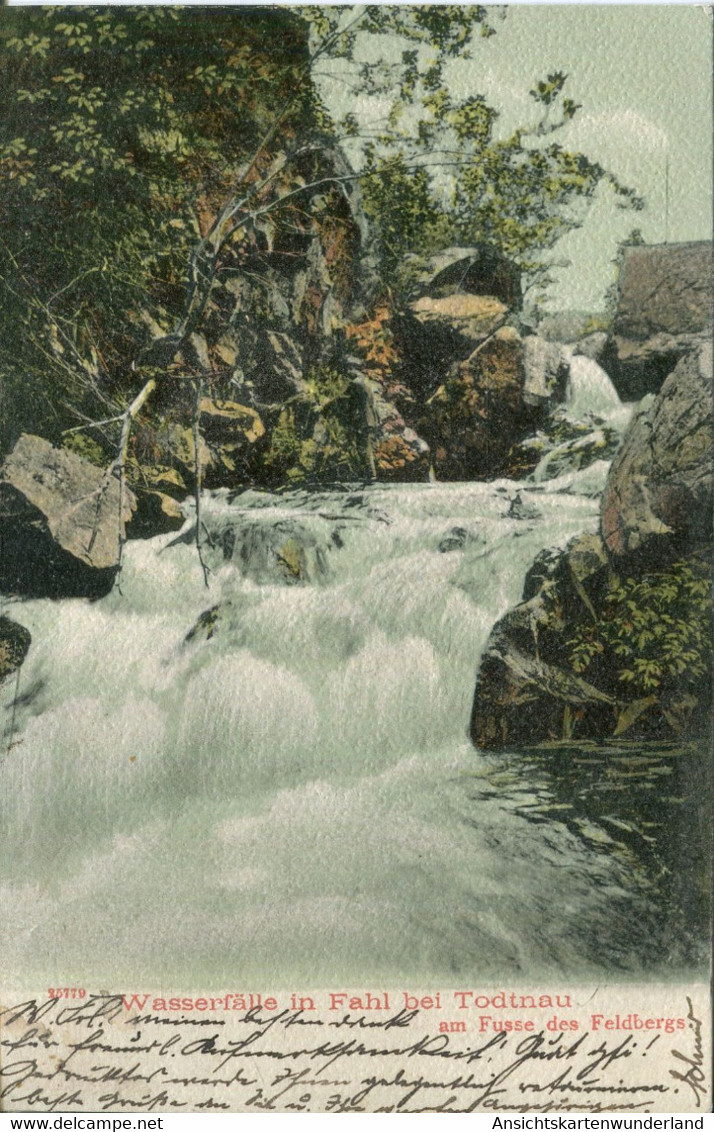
[290, 795]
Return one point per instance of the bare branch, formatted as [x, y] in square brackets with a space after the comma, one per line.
[197, 478]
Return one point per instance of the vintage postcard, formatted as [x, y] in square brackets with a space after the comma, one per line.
[355, 559]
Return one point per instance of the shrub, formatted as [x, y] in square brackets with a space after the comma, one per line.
[654, 631]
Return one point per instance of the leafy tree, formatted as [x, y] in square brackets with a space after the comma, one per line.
[123, 132]
[450, 178]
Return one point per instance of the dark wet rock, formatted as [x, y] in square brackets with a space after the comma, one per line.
[206, 625]
[456, 539]
[478, 270]
[158, 491]
[15, 642]
[60, 523]
[176, 443]
[543, 570]
[282, 551]
[521, 508]
[571, 326]
[525, 456]
[477, 415]
[664, 305]
[459, 538]
[658, 497]
[228, 435]
[462, 320]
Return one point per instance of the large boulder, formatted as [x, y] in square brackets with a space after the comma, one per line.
[612, 636]
[460, 296]
[525, 690]
[61, 524]
[658, 497]
[489, 402]
[466, 319]
[477, 270]
[664, 304]
[15, 642]
[472, 420]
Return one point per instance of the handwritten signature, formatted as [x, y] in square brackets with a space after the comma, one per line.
[694, 1075]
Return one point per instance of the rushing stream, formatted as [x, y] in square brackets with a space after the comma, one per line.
[282, 790]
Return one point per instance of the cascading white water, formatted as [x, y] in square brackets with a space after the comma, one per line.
[590, 389]
[592, 411]
[293, 798]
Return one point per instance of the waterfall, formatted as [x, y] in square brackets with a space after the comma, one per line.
[592, 419]
[273, 775]
[590, 390]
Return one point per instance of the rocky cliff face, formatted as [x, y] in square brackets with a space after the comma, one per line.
[272, 352]
[664, 304]
[658, 498]
[479, 381]
[613, 635]
[347, 387]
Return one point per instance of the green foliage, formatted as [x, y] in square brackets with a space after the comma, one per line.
[441, 173]
[119, 140]
[85, 447]
[317, 439]
[654, 631]
[400, 202]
